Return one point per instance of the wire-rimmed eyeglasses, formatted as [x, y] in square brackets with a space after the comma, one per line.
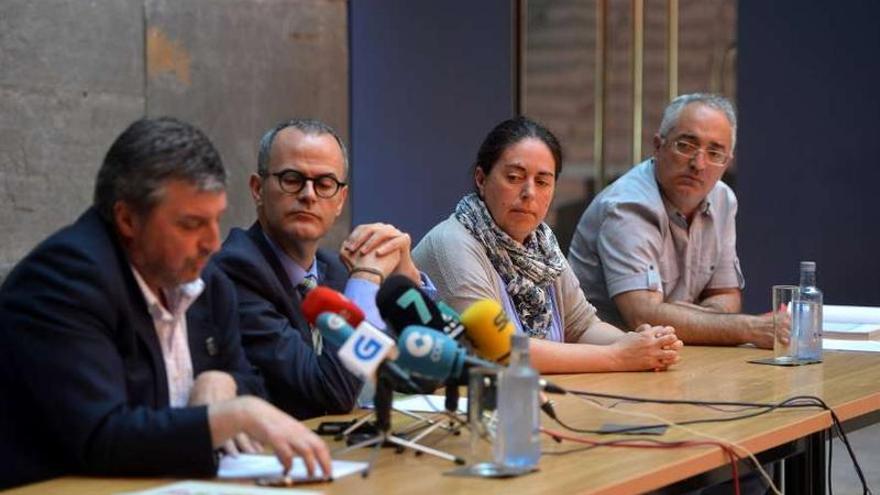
[689, 150]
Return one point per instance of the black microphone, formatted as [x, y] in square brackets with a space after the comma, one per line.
[401, 304]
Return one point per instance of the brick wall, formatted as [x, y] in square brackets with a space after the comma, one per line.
[559, 75]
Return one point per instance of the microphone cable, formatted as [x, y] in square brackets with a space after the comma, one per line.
[801, 401]
[734, 446]
[650, 443]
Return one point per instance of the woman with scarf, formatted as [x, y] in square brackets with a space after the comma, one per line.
[496, 246]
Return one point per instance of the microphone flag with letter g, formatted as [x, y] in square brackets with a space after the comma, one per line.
[365, 351]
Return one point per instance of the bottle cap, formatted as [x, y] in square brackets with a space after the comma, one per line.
[808, 266]
[519, 342]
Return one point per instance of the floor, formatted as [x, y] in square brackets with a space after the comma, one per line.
[866, 445]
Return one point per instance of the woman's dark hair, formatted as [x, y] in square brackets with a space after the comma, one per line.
[510, 132]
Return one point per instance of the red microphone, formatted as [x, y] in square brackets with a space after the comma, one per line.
[323, 299]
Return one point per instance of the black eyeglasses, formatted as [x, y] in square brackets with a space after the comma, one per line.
[292, 182]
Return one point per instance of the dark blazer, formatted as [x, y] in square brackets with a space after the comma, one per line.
[83, 387]
[276, 336]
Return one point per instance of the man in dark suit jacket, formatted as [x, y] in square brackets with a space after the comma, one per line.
[277, 336]
[103, 370]
[299, 191]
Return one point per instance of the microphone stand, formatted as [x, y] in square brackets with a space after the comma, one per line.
[450, 413]
[382, 403]
[421, 423]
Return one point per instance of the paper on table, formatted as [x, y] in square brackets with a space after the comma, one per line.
[850, 345]
[427, 403]
[206, 488]
[851, 331]
[851, 322]
[850, 314]
[261, 466]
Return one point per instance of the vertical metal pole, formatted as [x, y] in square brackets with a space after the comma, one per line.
[672, 49]
[600, 77]
[520, 33]
[638, 31]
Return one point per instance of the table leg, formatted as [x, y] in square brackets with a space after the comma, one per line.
[805, 472]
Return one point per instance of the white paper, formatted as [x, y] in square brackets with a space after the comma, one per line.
[850, 314]
[850, 345]
[206, 488]
[862, 331]
[830, 326]
[263, 466]
[427, 404]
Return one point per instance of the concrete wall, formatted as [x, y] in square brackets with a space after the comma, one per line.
[73, 74]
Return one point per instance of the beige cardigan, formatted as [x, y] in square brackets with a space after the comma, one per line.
[461, 271]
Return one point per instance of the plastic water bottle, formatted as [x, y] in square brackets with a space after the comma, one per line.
[807, 315]
[518, 443]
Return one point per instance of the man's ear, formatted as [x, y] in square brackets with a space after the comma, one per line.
[658, 142]
[343, 196]
[124, 219]
[256, 187]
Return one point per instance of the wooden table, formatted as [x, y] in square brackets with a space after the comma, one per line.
[849, 382]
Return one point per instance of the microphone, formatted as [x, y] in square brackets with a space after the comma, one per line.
[430, 354]
[365, 351]
[452, 324]
[489, 330]
[401, 304]
[324, 299]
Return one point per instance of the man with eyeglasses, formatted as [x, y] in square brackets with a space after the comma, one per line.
[299, 190]
[658, 246]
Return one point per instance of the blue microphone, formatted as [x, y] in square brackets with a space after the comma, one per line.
[430, 354]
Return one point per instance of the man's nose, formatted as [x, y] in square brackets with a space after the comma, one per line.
[307, 193]
[699, 160]
[210, 241]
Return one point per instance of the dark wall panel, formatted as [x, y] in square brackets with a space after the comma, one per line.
[428, 81]
[809, 146]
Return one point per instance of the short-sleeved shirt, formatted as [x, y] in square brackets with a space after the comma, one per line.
[631, 238]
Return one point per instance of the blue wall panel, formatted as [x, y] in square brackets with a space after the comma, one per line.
[809, 146]
[428, 81]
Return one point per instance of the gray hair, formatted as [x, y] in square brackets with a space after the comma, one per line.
[150, 152]
[311, 127]
[718, 102]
